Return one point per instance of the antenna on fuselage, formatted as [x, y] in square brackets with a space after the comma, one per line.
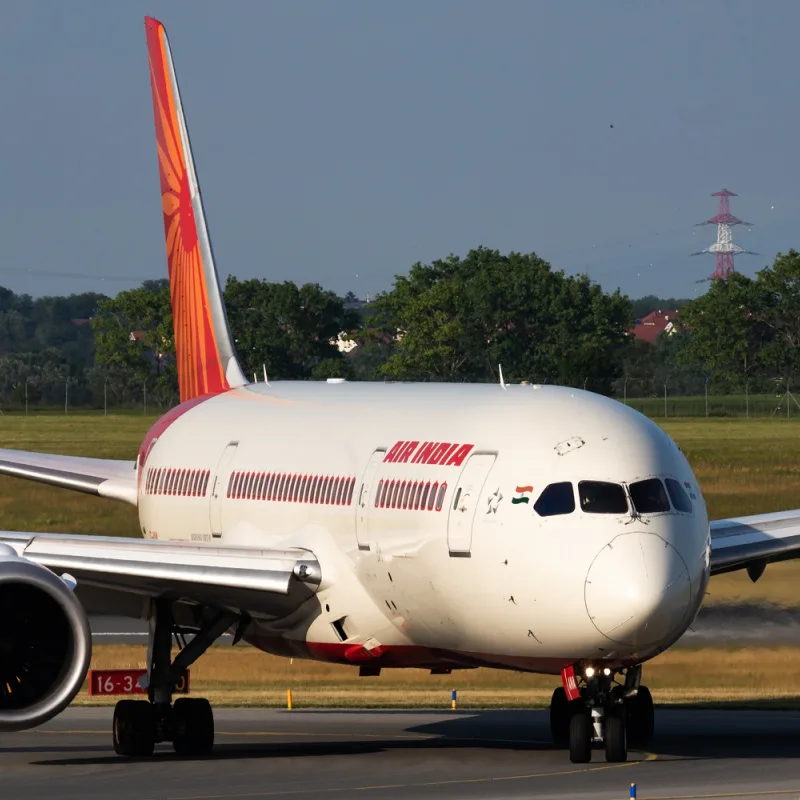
[502, 382]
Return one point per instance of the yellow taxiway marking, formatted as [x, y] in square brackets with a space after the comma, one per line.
[385, 786]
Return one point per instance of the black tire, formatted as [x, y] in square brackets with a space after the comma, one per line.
[580, 737]
[559, 717]
[616, 739]
[641, 717]
[133, 729]
[192, 726]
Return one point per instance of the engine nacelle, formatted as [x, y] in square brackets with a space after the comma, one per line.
[45, 643]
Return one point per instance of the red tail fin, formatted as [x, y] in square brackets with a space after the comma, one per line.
[203, 346]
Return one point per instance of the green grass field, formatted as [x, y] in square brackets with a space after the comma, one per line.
[745, 466]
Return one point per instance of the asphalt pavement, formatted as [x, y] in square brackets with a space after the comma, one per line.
[393, 755]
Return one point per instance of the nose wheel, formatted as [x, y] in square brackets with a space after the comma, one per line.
[603, 712]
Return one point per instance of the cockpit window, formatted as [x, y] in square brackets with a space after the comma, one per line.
[649, 496]
[598, 497]
[557, 498]
[678, 496]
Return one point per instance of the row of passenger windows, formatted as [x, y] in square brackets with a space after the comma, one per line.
[599, 497]
[291, 488]
[416, 495]
[186, 482]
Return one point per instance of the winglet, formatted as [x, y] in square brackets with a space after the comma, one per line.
[204, 350]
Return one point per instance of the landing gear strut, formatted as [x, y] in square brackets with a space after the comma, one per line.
[188, 723]
[602, 711]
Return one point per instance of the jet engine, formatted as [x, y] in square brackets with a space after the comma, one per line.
[45, 643]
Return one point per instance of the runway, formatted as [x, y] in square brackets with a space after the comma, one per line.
[394, 755]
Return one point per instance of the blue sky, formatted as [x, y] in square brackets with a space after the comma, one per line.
[340, 142]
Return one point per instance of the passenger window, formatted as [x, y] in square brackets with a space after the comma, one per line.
[678, 496]
[378, 494]
[556, 499]
[206, 476]
[649, 497]
[599, 497]
[424, 499]
[440, 498]
[350, 491]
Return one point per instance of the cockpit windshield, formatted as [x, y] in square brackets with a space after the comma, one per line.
[678, 496]
[599, 497]
[556, 499]
[649, 496]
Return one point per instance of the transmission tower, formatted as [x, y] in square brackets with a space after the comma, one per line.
[724, 248]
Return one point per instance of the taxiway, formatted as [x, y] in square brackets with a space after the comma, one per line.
[378, 754]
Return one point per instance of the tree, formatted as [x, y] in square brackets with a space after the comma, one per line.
[778, 297]
[724, 332]
[289, 329]
[135, 343]
[457, 319]
[645, 305]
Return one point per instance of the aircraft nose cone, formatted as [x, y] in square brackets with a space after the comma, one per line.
[638, 590]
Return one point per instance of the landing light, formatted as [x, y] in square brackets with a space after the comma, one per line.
[589, 672]
[606, 672]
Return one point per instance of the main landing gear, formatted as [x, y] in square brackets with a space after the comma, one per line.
[188, 722]
[601, 711]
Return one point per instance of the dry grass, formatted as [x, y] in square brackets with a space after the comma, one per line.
[243, 676]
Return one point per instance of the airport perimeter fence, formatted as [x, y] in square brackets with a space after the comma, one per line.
[106, 397]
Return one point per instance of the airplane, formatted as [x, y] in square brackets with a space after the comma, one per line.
[524, 527]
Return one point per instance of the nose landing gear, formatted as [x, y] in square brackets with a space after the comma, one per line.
[593, 708]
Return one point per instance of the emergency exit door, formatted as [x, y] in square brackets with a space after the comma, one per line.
[218, 488]
[464, 504]
[365, 492]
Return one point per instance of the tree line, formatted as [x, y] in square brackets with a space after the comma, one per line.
[454, 319]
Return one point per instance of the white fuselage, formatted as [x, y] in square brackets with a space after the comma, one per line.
[405, 493]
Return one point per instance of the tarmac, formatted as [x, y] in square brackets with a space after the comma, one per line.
[392, 755]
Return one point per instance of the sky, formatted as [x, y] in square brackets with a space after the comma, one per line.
[341, 142]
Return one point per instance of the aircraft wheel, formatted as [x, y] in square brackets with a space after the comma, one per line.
[133, 728]
[580, 737]
[615, 737]
[192, 726]
[641, 717]
[559, 717]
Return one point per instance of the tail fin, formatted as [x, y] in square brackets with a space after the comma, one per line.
[204, 349]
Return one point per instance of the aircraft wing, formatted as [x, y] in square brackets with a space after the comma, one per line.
[752, 542]
[119, 575]
[99, 476]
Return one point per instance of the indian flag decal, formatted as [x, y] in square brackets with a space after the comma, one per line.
[523, 495]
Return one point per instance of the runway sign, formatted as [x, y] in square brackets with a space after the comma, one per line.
[104, 682]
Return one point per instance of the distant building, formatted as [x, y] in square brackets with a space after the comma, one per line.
[650, 326]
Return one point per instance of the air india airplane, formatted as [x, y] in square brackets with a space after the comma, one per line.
[441, 527]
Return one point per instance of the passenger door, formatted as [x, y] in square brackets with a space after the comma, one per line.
[218, 488]
[465, 502]
[365, 492]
